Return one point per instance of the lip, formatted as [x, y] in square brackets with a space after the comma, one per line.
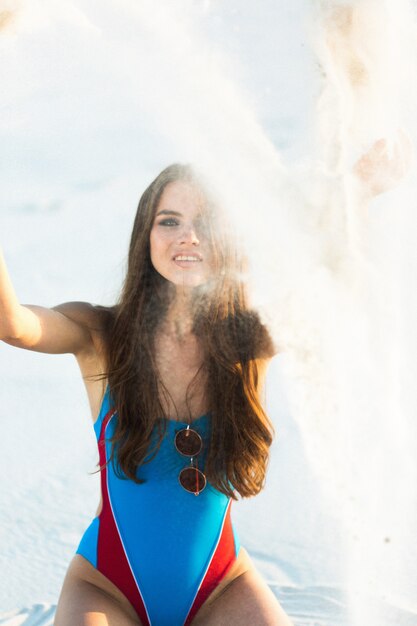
[187, 265]
[187, 253]
[193, 254]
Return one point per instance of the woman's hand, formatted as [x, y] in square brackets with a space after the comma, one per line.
[384, 166]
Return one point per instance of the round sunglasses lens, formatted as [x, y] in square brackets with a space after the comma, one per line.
[192, 479]
[188, 442]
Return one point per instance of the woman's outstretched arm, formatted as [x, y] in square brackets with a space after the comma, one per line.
[61, 329]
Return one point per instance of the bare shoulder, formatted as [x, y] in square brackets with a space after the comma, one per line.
[95, 318]
[90, 315]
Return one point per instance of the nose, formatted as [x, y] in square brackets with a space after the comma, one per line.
[189, 235]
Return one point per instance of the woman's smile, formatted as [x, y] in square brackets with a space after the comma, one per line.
[187, 260]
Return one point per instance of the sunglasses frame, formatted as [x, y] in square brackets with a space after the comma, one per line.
[191, 457]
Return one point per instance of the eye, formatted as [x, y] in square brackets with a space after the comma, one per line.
[169, 221]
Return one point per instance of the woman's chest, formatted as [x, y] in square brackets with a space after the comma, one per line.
[182, 379]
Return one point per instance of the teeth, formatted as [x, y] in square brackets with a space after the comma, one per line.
[186, 258]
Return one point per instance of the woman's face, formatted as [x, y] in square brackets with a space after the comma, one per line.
[178, 243]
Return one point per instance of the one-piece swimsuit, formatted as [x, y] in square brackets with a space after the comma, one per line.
[165, 548]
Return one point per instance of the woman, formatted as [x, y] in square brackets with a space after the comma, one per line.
[183, 360]
[173, 372]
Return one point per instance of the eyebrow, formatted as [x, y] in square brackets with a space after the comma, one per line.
[167, 212]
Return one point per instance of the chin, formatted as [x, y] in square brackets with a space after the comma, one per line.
[190, 282]
[184, 280]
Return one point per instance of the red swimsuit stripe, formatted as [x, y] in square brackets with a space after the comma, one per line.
[112, 560]
[222, 559]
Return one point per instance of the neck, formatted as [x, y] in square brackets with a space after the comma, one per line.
[178, 321]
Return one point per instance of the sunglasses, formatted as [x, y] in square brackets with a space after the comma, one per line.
[189, 443]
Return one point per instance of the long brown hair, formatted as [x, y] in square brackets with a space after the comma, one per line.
[232, 338]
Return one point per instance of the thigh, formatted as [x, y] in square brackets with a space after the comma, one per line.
[83, 604]
[246, 601]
